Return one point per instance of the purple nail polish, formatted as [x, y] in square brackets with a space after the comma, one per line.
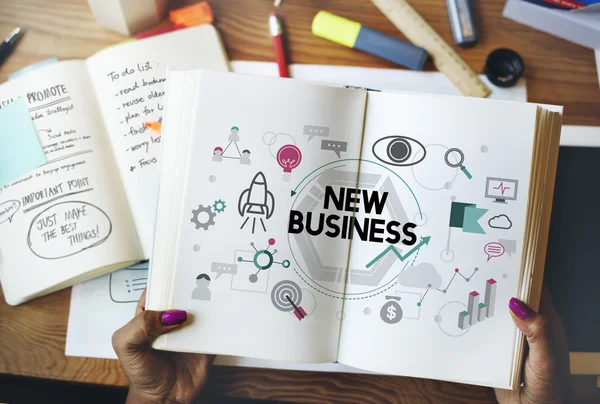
[173, 317]
[522, 310]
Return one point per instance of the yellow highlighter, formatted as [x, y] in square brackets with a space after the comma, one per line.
[354, 35]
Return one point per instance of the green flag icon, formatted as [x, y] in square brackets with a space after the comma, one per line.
[472, 215]
[466, 216]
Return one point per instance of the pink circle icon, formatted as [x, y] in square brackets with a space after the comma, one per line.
[271, 241]
[289, 157]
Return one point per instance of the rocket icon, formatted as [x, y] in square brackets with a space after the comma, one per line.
[256, 200]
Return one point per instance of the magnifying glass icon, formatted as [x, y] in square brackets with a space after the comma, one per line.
[460, 162]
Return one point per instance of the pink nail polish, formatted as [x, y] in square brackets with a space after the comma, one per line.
[173, 317]
[522, 310]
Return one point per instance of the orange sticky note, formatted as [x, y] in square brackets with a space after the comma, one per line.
[196, 14]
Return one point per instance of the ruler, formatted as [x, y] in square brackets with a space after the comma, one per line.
[419, 32]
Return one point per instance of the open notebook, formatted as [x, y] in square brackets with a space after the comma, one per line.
[304, 223]
[90, 209]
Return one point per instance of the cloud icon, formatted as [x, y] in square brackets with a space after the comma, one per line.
[500, 222]
[422, 276]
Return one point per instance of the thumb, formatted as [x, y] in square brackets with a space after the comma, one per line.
[145, 327]
[536, 329]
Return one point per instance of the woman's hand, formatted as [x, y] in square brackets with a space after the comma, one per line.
[547, 378]
[158, 376]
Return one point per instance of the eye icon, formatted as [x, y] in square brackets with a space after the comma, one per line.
[399, 151]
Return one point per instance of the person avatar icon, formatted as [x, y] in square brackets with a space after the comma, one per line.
[234, 135]
[246, 158]
[217, 154]
[202, 292]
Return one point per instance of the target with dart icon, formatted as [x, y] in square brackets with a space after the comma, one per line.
[287, 296]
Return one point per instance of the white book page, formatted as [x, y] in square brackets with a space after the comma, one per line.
[234, 225]
[130, 82]
[71, 215]
[411, 324]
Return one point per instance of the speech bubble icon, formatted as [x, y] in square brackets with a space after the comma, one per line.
[8, 210]
[493, 249]
[313, 131]
[68, 228]
[334, 146]
[127, 285]
[510, 246]
[221, 268]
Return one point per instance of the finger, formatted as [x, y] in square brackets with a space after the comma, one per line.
[145, 327]
[535, 327]
[141, 306]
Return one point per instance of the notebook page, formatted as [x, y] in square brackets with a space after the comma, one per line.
[68, 217]
[237, 270]
[130, 82]
[460, 177]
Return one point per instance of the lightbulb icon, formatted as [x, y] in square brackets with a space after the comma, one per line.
[289, 157]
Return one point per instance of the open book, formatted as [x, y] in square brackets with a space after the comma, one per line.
[384, 231]
[90, 209]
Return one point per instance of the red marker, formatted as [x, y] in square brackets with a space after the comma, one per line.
[277, 35]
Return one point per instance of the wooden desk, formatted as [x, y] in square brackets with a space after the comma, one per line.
[32, 336]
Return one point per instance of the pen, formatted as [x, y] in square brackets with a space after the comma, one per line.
[462, 22]
[7, 46]
[277, 35]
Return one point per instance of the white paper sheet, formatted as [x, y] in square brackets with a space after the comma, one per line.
[378, 79]
[580, 136]
[100, 307]
[94, 316]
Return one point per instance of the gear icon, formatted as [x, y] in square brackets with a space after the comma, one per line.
[196, 213]
[219, 206]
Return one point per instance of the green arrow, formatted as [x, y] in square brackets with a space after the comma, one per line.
[424, 241]
[293, 192]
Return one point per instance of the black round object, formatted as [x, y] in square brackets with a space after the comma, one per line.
[504, 67]
[399, 151]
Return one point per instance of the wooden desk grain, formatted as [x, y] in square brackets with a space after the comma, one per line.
[32, 336]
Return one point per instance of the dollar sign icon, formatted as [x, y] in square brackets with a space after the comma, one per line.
[391, 312]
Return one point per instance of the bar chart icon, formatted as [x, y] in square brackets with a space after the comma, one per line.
[490, 297]
[472, 307]
[478, 311]
[463, 320]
